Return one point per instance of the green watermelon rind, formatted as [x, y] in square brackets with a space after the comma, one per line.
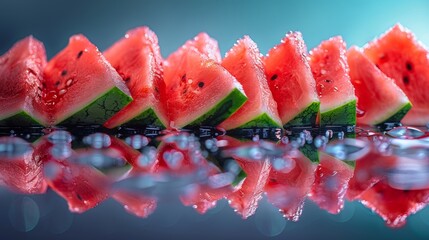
[311, 152]
[306, 117]
[21, 118]
[147, 117]
[100, 110]
[221, 111]
[261, 121]
[398, 115]
[344, 115]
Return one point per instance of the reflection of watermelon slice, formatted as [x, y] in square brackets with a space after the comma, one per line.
[291, 82]
[201, 91]
[394, 205]
[138, 60]
[399, 55]
[330, 185]
[244, 62]
[330, 69]
[379, 98]
[24, 173]
[287, 191]
[21, 70]
[81, 86]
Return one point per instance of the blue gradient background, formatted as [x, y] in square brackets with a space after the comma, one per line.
[174, 22]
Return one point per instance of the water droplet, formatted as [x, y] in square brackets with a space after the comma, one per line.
[13, 147]
[62, 92]
[51, 170]
[320, 141]
[329, 134]
[211, 145]
[173, 158]
[347, 149]
[147, 158]
[360, 112]
[283, 164]
[97, 140]
[232, 167]
[341, 135]
[61, 151]
[323, 71]
[405, 132]
[255, 153]
[285, 140]
[69, 82]
[60, 136]
[409, 174]
[255, 138]
[221, 180]
[103, 161]
[335, 89]
[137, 141]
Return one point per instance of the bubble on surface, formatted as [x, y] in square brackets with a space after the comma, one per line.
[283, 164]
[173, 158]
[97, 140]
[61, 151]
[24, 214]
[405, 132]
[13, 147]
[60, 137]
[137, 141]
[320, 141]
[148, 157]
[347, 149]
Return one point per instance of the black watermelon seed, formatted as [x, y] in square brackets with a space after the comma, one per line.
[274, 77]
[57, 83]
[183, 78]
[79, 54]
[406, 80]
[201, 84]
[156, 90]
[64, 72]
[409, 66]
[127, 79]
[79, 197]
[328, 80]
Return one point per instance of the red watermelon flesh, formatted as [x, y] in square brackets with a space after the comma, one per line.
[401, 57]
[136, 204]
[291, 81]
[337, 96]
[394, 205]
[287, 191]
[244, 62]
[137, 59]
[330, 185]
[21, 80]
[81, 86]
[24, 173]
[379, 98]
[201, 91]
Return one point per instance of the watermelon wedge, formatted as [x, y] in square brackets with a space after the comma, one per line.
[291, 82]
[244, 62]
[200, 91]
[136, 204]
[81, 87]
[137, 59]
[288, 191]
[379, 99]
[21, 81]
[330, 185]
[401, 57]
[337, 96]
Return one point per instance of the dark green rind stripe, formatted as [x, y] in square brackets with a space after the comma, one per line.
[397, 117]
[342, 115]
[240, 176]
[310, 151]
[307, 117]
[222, 110]
[100, 110]
[350, 163]
[260, 121]
[145, 118]
[21, 118]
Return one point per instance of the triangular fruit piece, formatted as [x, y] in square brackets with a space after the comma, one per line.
[291, 82]
[330, 185]
[138, 61]
[81, 86]
[200, 91]
[288, 190]
[401, 57]
[21, 84]
[135, 203]
[394, 205]
[379, 99]
[330, 69]
[244, 62]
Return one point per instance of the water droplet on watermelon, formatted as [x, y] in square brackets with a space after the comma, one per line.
[173, 158]
[255, 153]
[211, 144]
[97, 140]
[329, 134]
[341, 135]
[61, 151]
[323, 72]
[360, 112]
[62, 92]
[69, 82]
[137, 141]
[405, 132]
[283, 164]
[51, 170]
[59, 137]
[12, 147]
[232, 167]
[320, 141]
[255, 138]
[147, 158]
[221, 180]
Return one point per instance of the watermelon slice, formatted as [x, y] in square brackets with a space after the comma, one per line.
[287, 191]
[200, 91]
[330, 69]
[21, 79]
[379, 98]
[244, 62]
[137, 59]
[291, 82]
[136, 204]
[394, 205]
[401, 57]
[330, 185]
[81, 86]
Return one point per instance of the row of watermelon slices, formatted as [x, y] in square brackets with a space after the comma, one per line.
[131, 83]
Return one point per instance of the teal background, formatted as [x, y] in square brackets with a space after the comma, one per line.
[174, 22]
